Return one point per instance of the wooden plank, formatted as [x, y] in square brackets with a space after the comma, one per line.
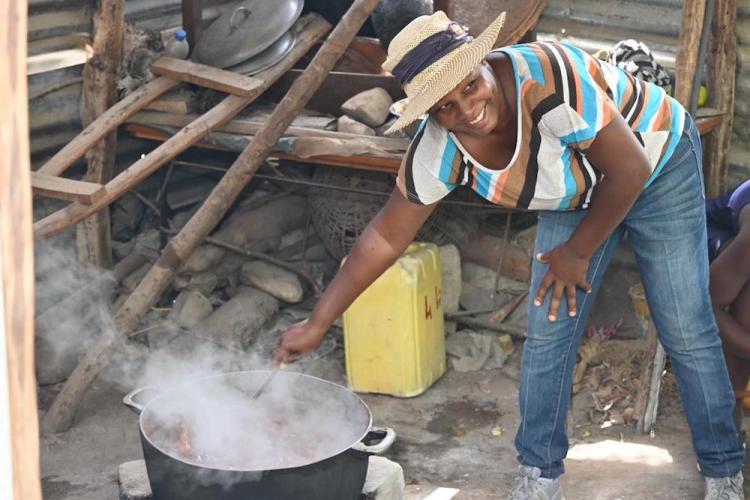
[313, 28]
[252, 127]
[19, 453]
[105, 124]
[179, 248]
[60, 59]
[686, 63]
[722, 65]
[99, 93]
[61, 188]
[207, 76]
[369, 163]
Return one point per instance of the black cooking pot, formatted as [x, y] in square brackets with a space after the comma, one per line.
[303, 438]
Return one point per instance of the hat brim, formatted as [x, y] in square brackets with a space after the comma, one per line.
[457, 65]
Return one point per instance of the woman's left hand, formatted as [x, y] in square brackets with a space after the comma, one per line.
[567, 270]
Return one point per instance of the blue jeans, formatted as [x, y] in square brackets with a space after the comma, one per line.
[667, 230]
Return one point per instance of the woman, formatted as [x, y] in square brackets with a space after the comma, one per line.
[728, 218]
[545, 127]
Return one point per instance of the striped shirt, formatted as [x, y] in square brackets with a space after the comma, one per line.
[563, 98]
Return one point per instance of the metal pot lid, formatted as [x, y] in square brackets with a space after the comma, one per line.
[246, 30]
[273, 54]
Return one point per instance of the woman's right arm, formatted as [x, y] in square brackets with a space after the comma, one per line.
[382, 242]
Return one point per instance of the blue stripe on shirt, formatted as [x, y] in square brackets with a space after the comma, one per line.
[446, 163]
[570, 180]
[678, 123]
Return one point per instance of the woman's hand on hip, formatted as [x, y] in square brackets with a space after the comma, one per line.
[298, 339]
[567, 271]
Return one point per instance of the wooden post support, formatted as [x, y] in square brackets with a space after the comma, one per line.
[686, 64]
[722, 64]
[61, 413]
[19, 453]
[99, 92]
[192, 20]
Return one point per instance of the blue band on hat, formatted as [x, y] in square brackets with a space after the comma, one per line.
[428, 51]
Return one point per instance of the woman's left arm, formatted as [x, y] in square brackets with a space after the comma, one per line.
[623, 162]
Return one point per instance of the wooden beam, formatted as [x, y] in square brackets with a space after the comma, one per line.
[686, 62]
[99, 93]
[19, 453]
[252, 127]
[314, 28]
[722, 64]
[217, 204]
[59, 59]
[61, 188]
[207, 76]
[105, 124]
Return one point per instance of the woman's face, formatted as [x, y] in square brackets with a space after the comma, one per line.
[472, 107]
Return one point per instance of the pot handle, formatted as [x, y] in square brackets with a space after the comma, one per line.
[130, 398]
[387, 439]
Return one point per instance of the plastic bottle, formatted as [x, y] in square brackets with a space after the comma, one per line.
[178, 47]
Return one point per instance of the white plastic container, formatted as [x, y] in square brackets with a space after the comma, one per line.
[178, 46]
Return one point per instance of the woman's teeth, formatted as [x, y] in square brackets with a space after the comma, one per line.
[478, 118]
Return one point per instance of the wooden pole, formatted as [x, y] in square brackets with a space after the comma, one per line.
[99, 92]
[60, 415]
[686, 63]
[19, 438]
[722, 64]
[192, 20]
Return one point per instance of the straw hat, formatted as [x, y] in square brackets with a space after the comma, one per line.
[424, 86]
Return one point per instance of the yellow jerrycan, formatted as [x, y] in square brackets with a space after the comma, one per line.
[394, 333]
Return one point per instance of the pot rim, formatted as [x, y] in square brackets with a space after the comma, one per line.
[179, 386]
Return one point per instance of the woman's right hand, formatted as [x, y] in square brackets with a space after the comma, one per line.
[298, 339]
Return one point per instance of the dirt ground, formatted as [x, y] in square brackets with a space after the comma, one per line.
[458, 434]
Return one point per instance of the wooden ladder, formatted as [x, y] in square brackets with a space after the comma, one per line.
[88, 198]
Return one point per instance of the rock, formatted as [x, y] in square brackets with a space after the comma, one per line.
[189, 308]
[204, 257]
[280, 283]
[370, 107]
[131, 281]
[126, 214]
[147, 243]
[450, 263]
[292, 237]
[384, 481]
[471, 351]
[352, 126]
[255, 228]
[133, 481]
[235, 323]
[229, 266]
[204, 282]
[121, 249]
[485, 278]
[526, 239]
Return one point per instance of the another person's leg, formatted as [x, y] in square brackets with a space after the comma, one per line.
[667, 230]
[549, 352]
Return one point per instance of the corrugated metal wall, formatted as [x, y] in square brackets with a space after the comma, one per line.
[54, 25]
[657, 23]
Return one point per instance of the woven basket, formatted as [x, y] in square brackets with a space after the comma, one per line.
[339, 217]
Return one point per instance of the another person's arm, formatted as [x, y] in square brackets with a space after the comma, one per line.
[621, 159]
[382, 242]
[730, 274]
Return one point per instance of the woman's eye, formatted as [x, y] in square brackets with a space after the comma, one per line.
[445, 107]
[470, 85]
